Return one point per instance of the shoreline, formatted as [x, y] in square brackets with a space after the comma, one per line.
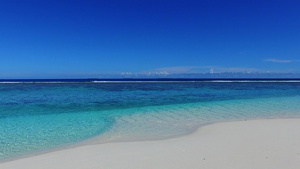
[96, 140]
[276, 140]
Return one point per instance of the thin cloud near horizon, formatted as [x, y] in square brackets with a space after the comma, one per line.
[280, 61]
[219, 69]
[206, 69]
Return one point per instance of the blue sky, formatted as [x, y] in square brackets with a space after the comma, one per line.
[64, 38]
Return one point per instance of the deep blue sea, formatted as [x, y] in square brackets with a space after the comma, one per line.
[38, 115]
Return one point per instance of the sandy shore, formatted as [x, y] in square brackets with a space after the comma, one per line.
[259, 144]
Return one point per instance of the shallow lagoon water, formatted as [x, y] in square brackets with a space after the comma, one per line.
[41, 116]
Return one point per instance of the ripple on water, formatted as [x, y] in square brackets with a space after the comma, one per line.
[25, 134]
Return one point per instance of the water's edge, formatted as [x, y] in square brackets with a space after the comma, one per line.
[95, 140]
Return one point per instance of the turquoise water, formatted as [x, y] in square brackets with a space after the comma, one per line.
[41, 116]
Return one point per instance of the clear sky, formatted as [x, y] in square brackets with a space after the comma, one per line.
[82, 38]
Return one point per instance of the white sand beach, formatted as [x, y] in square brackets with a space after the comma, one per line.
[259, 144]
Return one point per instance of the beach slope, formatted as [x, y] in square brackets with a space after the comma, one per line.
[259, 144]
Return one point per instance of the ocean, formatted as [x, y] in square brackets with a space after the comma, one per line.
[41, 115]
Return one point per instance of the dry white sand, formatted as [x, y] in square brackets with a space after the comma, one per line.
[255, 144]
